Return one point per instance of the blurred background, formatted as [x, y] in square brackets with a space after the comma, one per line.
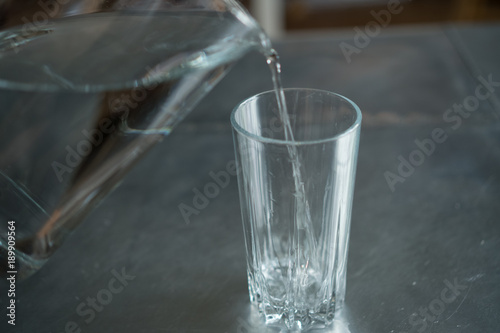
[281, 16]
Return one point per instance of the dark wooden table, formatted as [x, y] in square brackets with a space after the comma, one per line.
[425, 239]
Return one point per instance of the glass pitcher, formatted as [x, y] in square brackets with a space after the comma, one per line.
[87, 88]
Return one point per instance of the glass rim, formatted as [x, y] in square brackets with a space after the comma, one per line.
[236, 126]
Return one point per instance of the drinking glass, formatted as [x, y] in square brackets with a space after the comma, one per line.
[296, 199]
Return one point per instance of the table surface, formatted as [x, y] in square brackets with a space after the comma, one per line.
[423, 257]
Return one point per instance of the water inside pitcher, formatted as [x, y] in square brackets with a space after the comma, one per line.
[86, 89]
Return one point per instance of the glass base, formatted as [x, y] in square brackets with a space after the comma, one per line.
[294, 320]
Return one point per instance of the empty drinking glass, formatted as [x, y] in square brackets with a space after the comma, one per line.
[296, 198]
